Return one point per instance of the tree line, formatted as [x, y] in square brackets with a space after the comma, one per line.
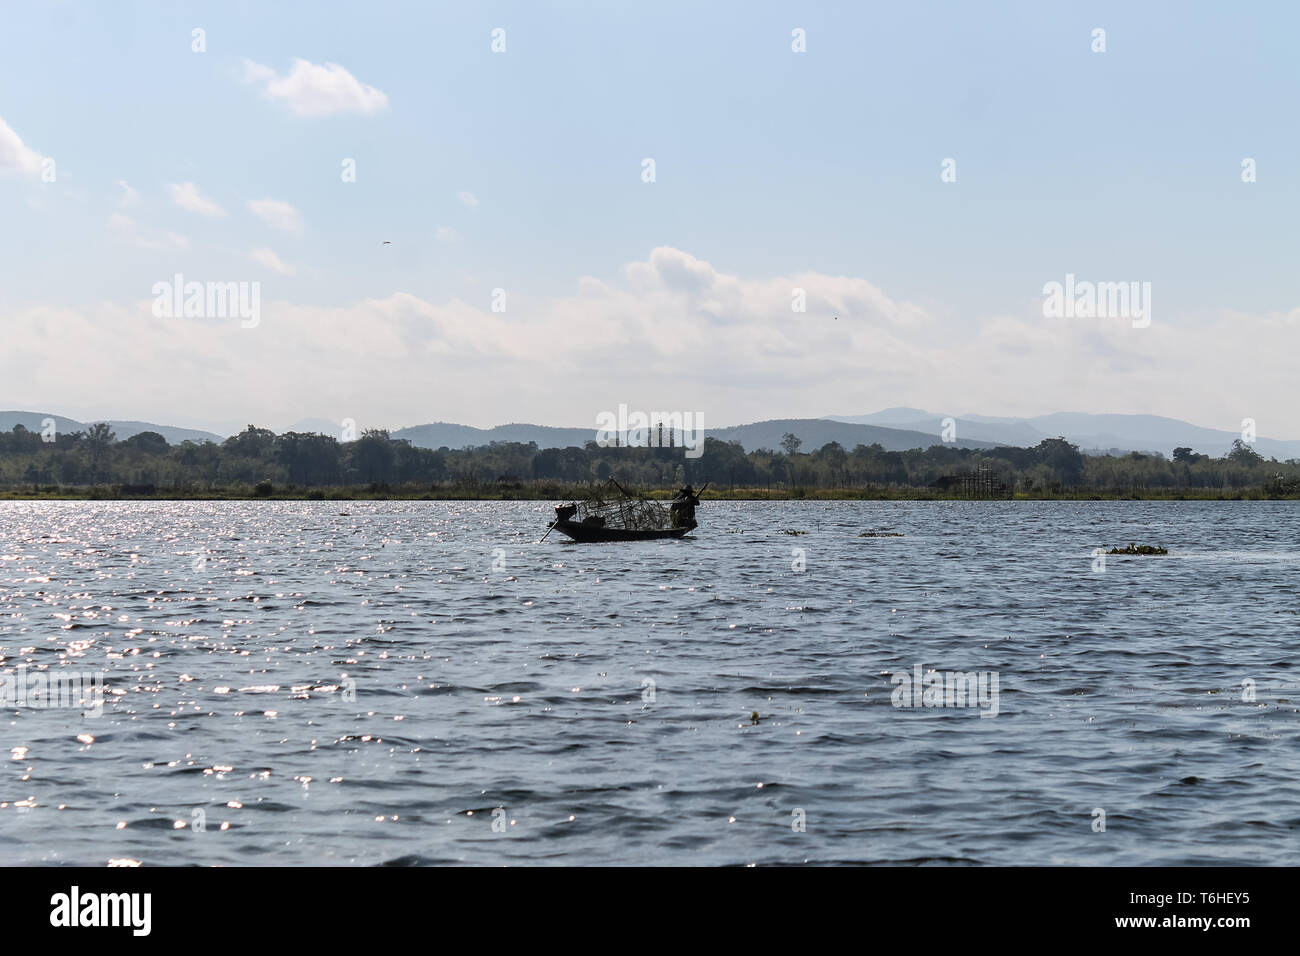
[258, 461]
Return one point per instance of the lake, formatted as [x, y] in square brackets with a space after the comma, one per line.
[402, 682]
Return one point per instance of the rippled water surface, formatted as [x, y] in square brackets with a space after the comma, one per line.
[367, 682]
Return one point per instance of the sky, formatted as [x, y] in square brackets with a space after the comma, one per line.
[502, 254]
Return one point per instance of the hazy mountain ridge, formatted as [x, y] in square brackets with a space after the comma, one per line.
[1091, 432]
[896, 429]
[815, 432]
[34, 421]
[451, 435]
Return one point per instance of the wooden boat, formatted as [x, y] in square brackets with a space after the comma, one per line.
[587, 533]
[611, 513]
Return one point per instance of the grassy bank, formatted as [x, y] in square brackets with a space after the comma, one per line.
[553, 492]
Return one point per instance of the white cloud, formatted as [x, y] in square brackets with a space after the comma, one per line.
[187, 196]
[279, 214]
[257, 73]
[14, 154]
[468, 198]
[270, 260]
[310, 89]
[130, 196]
[127, 229]
[446, 234]
[672, 332]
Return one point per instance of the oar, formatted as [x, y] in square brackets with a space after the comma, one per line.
[549, 528]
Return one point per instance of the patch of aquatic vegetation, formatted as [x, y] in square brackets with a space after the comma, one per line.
[793, 532]
[881, 534]
[1138, 549]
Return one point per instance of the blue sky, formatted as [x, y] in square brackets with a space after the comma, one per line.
[522, 170]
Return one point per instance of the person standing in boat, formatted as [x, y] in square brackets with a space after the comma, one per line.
[682, 508]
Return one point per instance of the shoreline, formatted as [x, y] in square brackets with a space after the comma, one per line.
[576, 493]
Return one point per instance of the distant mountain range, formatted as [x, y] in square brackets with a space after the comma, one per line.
[35, 422]
[1092, 433]
[445, 434]
[813, 432]
[896, 429]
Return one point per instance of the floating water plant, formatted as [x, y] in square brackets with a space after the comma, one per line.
[1138, 549]
[880, 534]
[794, 532]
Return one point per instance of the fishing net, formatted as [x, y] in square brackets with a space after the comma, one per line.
[609, 506]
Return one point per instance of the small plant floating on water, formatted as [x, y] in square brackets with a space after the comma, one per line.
[880, 534]
[1135, 549]
[794, 532]
[754, 718]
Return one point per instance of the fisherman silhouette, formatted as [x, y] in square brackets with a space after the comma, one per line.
[682, 508]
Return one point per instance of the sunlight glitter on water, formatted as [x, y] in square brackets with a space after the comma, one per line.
[308, 636]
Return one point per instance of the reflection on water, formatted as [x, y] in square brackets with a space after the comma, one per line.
[423, 682]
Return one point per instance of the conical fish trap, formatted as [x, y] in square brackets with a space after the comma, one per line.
[610, 506]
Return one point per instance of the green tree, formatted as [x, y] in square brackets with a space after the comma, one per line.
[99, 438]
[148, 443]
[252, 442]
[1062, 458]
[373, 456]
[1243, 454]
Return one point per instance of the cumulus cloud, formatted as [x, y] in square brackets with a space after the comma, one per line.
[126, 229]
[16, 155]
[310, 89]
[270, 260]
[468, 199]
[279, 214]
[672, 331]
[130, 196]
[187, 196]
